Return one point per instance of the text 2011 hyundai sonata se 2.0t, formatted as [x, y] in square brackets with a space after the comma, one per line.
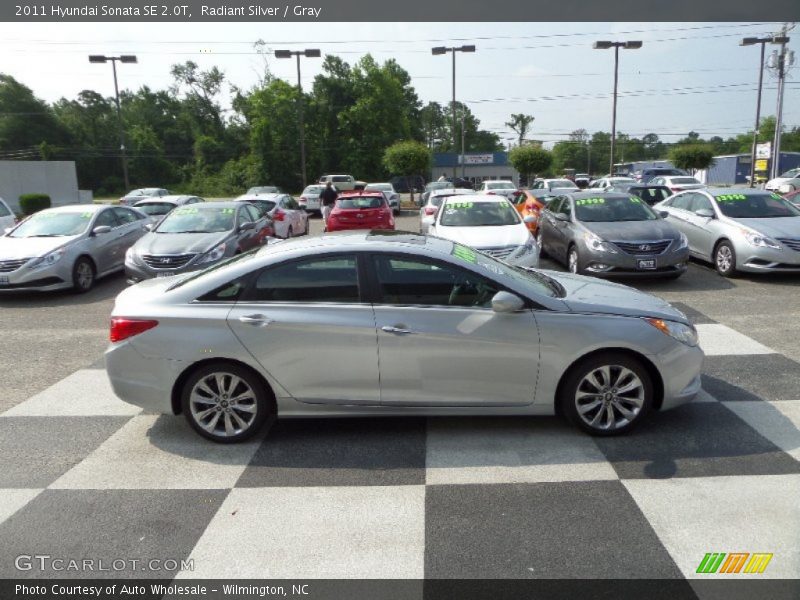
[394, 323]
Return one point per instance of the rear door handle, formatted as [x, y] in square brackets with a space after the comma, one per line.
[399, 330]
[256, 320]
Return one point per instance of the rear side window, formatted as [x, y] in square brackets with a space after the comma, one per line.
[329, 279]
[4, 212]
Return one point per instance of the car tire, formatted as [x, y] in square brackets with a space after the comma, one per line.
[590, 397]
[573, 261]
[202, 399]
[539, 242]
[83, 275]
[725, 259]
[289, 232]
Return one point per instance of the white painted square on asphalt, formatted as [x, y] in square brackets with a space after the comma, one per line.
[521, 450]
[779, 422]
[696, 515]
[159, 452]
[719, 340]
[375, 532]
[85, 393]
[11, 500]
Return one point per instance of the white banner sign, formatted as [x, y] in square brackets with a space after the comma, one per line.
[476, 159]
[764, 150]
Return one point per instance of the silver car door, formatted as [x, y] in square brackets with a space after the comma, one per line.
[131, 228]
[305, 323]
[441, 345]
[104, 248]
[700, 230]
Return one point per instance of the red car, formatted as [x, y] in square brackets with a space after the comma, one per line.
[360, 210]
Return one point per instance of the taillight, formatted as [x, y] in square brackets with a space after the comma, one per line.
[676, 189]
[278, 215]
[123, 328]
[430, 210]
[491, 193]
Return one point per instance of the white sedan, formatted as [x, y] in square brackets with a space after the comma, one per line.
[290, 219]
[787, 182]
[488, 223]
[388, 191]
[500, 187]
[427, 212]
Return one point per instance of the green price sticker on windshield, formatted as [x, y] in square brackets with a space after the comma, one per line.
[86, 215]
[775, 196]
[730, 197]
[586, 201]
[635, 200]
[459, 205]
[226, 211]
[464, 253]
[186, 211]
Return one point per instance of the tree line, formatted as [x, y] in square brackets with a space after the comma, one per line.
[183, 138]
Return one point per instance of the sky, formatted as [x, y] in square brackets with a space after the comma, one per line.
[686, 77]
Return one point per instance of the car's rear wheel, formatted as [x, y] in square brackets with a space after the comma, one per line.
[83, 275]
[606, 394]
[226, 403]
[725, 259]
[289, 232]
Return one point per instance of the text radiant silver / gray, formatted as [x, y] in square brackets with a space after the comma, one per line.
[360, 323]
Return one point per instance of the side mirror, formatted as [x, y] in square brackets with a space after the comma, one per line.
[505, 302]
[101, 229]
[247, 225]
[560, 217]
[530, 219]
[706, 213]
[7, 230]
[663, 214]
[149, 226]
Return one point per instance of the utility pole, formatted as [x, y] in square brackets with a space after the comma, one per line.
[781, 62]
[463, 147]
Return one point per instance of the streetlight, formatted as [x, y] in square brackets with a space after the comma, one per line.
[124, 58]
[751, 41]
[604, 45]
[438, 50]
[310, 53]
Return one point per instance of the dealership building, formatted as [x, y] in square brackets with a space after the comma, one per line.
[56, 178]
[475, 166]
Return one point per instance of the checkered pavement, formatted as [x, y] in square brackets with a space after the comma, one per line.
[85, 475]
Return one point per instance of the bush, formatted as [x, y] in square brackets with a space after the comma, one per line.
[32, 203]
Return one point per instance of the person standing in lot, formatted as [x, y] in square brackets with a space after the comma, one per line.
[327, 198]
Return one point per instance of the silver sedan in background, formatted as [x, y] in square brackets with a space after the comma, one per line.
[457, 333]
[611, 234]
[392, 197]
[738, 229]
[68, 247]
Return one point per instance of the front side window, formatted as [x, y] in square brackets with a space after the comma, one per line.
[125, 216]
[699, 201]
[106, 219]
[429, 283]
[329, 279]
[682, 201]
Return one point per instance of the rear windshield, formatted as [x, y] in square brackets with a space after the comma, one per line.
[155, 208]
[360, 203]
[562, 183]
[684, 180]
[755, 206]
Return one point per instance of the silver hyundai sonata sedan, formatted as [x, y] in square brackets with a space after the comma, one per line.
[395, 323]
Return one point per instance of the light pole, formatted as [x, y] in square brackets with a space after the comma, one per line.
[463, 147]
[124, 58]
[780, 61]
[310, 53]
[444, 50]
[604, 45]
[751, 41]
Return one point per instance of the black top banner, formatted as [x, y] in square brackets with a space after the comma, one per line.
[444, 11]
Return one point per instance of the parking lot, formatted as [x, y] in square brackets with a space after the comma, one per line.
[87, 475]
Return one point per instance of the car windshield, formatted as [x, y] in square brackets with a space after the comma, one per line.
[264, 189]
[500, 185]
[683, 180]
[458, 213]
[360, 203]
[613, 209]
[196, 219]
[562, 183]
[155, 208]
[53, 224]
[382, 187]
[755, 206]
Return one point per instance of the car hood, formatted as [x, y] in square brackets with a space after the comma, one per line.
[780, 180]
[591, 295]
[486, 237]
[12, 248]
[633, 231]
[778, 227]
[179, 243]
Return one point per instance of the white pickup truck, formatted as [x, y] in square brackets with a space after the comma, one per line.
[343, 183]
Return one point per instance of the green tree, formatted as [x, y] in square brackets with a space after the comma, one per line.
[407, 159]
[520, 123]
[530, 160]
[692, 156]
[26, 121]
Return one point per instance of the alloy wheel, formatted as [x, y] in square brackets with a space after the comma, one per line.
[572, 259]
[223, 404]
[609, 397]
[724, 258]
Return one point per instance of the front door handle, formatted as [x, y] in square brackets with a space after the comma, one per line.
[399, 330]
[256, 320]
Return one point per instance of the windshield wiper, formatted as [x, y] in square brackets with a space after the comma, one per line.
[47, 235]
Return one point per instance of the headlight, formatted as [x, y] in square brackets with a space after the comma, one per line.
[48, 259]
[686, 334]
[130, 254]
[757, 239]
[683, 241]
[597, 244]
[213, 255]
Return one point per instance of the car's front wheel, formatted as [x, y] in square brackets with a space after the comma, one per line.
[573, 260]
[83, 275]
[540, 243]
[725, 259]
[606, 394]
[226, 403]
